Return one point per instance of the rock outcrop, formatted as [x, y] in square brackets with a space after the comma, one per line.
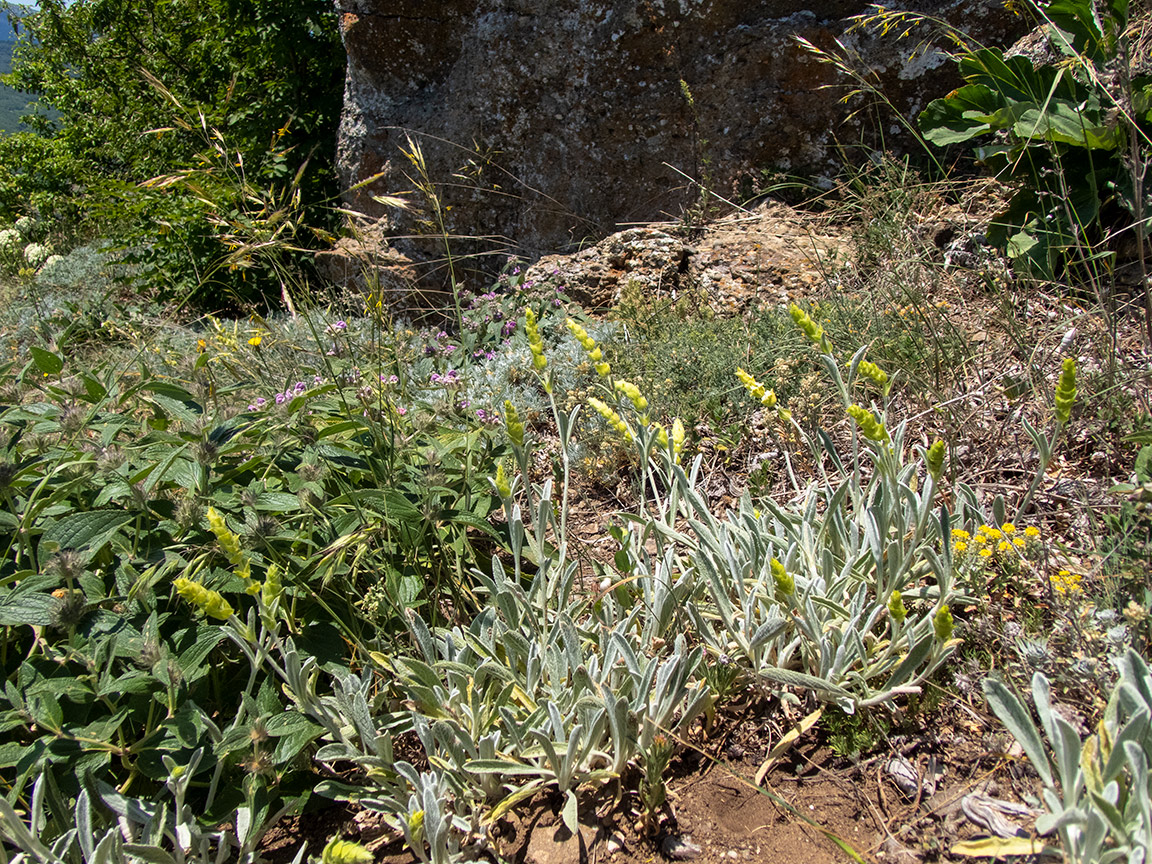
[556, 122]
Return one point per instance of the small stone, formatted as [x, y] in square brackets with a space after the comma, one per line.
[680, 848]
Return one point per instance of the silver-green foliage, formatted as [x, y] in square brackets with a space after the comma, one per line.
[1097, 792]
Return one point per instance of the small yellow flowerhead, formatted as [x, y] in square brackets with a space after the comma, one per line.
[1008, 528]
[811, 329]
[934, 458]
[230, 543]
[256, 340]
[785, 582]
[678, 436]
[611, 418]
[959, 547]
[1032, 532]
[201, 346]
[633, 393]
[896, 607]
[535, 343]
[942, 624]
[1066, 391]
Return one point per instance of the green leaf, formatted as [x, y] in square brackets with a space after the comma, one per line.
[89, 530]
[33, 609]
[46, 361]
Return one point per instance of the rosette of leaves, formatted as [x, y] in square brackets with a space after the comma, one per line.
[1067, 136]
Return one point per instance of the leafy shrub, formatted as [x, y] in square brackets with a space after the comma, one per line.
[1097, 792]
[1068, 136]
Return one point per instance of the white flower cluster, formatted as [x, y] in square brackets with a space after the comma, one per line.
[36, 254]
[10, 241]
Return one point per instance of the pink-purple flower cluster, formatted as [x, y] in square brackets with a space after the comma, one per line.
[287, 396]
[450, 377]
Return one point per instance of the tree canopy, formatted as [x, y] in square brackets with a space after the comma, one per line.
[224, 98]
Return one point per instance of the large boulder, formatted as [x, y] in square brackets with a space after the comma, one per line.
[552, 123]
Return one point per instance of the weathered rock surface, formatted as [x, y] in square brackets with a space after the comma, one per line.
[554, 122]
[768, 255]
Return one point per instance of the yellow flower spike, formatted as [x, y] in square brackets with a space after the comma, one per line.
[934, 458]
[586, 341]
[661, 437]
[1066, 391]
[345, 852]
[768, 400]
[503, 487]
[896, 607]
[230, 543]
[633, 393]
[610, 417]
[754, 387]
[535, 343]
[873, 373]
[596, 355]
[810, 328]
[942, 624]
[273, 587]
[513, 423]
[678, 436]
[871, 428]
[603, 369]
[211, 603]
[785, 582]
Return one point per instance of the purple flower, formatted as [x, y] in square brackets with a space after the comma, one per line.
[464, 403]
[301, 386]
[261, 401]
[401, 411]
[441, 335]
[448, 349]
[279, 398]
[251, 407]
[509, 327]
[489, 355]
[317, 380]
[340, 325]
[515, 271]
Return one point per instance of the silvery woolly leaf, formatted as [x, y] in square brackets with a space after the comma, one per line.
[570, 813]
[1013, 715]
[1050, 822]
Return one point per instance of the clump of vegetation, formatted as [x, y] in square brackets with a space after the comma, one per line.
[258, 562]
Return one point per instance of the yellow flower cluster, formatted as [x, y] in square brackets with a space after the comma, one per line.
[1066, 583]
[992, 542]
[230, 543]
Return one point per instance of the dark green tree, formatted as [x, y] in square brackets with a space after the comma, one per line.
[235, 103]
